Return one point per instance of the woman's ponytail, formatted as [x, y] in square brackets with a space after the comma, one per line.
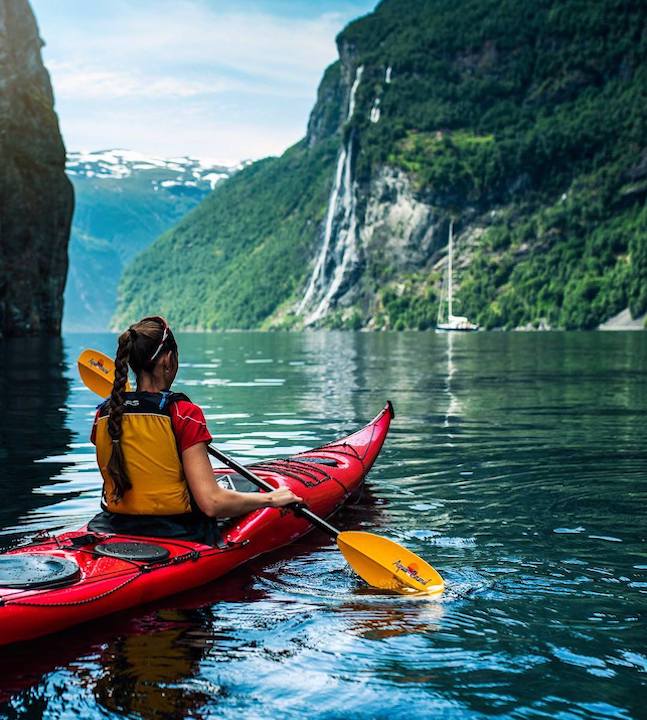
[116, 464]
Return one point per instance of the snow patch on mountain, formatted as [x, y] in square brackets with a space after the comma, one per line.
[117, 164]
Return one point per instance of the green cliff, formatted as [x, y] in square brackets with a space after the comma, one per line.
[523, 122]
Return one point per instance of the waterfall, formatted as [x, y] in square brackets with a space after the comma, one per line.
[318, 274]
[340, 224]
[375, 111]
[353, 91]
[348, 247]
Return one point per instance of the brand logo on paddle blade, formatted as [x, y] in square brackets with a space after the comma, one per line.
[411, 570]
[98, 364]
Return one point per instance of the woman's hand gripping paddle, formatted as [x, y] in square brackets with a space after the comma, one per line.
[382, 563]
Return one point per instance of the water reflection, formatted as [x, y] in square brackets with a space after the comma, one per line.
[141, 662]
[145, 672]
[33, 396]
[332, 373]
[515, 465]
[454, 406]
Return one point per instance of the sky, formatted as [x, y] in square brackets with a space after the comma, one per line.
[218, 80]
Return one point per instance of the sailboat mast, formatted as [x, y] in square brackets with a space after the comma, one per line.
[451, 253]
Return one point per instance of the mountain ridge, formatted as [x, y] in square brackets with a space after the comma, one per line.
[125, 199]
[520, 123]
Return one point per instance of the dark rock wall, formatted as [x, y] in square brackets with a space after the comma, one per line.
[327, 116]
[329, 112]
[36, 197]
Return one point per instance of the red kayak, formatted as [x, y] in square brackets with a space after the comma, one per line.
[74, 577]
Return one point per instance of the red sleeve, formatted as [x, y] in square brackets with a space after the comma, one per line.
[189, 425]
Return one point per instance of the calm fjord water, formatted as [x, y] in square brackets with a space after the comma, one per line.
[516, 464]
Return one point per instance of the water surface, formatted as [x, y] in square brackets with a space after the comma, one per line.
[516, 464]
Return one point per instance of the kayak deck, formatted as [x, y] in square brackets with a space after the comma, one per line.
[325, 477]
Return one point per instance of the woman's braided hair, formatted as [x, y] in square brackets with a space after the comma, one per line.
[136, 347]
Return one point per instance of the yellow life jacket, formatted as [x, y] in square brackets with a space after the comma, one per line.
[151, 457]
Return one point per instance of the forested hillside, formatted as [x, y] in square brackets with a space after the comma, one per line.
[522, 122]
[124, 201]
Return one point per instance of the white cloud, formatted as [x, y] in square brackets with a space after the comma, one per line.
[153, 75]
[169, 48]
[179, 130]
[191, 33]
[96, 83]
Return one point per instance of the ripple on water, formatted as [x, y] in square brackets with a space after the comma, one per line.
[514, 466]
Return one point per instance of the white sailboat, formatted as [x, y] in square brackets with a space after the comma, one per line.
[455, 323]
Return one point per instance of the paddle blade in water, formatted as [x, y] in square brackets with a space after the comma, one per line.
[385, 564]
[97, 371]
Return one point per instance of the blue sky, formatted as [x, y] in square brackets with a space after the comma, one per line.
[217, 80]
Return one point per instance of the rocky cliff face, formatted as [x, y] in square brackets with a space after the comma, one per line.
[381, 228]
[522, 129]
[36, 198]
[434, 121]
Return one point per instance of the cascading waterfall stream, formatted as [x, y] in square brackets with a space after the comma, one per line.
[341, 208]
[318, 273]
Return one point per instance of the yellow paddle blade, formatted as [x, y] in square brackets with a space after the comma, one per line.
[97, 372]
[385, 564]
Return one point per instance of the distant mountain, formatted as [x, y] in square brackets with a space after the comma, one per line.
[522, 122]
[124, 200]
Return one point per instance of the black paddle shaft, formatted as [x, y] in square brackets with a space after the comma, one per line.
[264, 485]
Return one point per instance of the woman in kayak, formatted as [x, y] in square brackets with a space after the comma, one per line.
[152, 450]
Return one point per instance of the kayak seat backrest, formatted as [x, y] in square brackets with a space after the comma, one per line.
[37, 571]
[234, 481]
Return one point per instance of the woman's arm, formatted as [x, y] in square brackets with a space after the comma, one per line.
[215, 501]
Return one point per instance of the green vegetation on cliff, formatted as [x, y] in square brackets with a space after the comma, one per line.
[523, 121]
[235, 258]
[536, 111]
[569, 265]
[114, 219]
